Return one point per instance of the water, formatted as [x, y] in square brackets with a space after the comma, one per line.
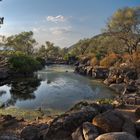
[52, 88]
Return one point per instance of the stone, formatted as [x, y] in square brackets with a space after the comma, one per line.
[110, 121]
[78, 134]
[137, 112]
[90, 132]
[119, 88]
[30, 133]
[85, 132]
[64, 125]
[137, 126]
[6, 137]
[129, 127]
[116, 136]
[132, 74]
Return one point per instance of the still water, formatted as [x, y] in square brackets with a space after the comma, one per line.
[55, 87]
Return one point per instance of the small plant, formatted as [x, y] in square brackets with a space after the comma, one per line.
[105, 101]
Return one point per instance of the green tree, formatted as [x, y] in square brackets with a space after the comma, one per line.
[23, 42]
[125, 26]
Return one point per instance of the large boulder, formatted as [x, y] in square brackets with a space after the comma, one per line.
[90, 131]
[63, 126]
[113, 121]
[78, 134]
[116, 136]
[30, 133]
[85, 132]
[110, 121]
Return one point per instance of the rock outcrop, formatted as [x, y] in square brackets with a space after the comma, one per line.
[116, 136]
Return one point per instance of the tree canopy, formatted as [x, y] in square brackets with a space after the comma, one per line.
[125, 25]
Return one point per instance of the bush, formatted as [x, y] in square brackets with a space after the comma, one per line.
[41, 60]
[24, 64]
[94, 61]
[109, 60]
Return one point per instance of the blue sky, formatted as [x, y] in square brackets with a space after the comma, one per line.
[63, 22]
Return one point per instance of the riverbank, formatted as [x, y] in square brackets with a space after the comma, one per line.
[124, 80]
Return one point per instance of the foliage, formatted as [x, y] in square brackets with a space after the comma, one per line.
[41, 60]
[24, 64]
[22, 42]
[105, 101]
[109, 60]
[125, 26]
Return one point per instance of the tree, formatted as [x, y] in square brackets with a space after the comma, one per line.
[125, 25]
[23, 42]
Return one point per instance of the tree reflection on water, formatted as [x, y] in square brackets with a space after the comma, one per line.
[22, 89]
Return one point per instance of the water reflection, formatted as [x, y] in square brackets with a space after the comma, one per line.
[20, 90]
[52, 88]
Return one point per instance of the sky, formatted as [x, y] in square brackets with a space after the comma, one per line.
[62, 22]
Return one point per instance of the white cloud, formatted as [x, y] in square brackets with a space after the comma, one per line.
[56, 19]
[60, 30]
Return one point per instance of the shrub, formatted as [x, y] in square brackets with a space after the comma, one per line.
[94, 61]
[41, 60]
[109, 60]
[23, 64]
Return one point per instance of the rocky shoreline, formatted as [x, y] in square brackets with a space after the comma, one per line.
[124, 80]
[87, 120]
[84, 121]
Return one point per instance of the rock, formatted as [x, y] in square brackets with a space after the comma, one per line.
[129, 127]
[3, 74]
[89, 71]
[7, 120]
[110, 121]
[131, 87]
[106, 107]
[132, 74]
[100, 73]
[90, 132]
[137, 126]
[119, 80]
[6, 137]
[78, 134]
[116, 136]
[83, 105]
[81, 70]
[137, 112]
[48, 81]
[85, 132]
[110, 80]
[113, 121]
[64, 125]
[119, 88]
[30, 133]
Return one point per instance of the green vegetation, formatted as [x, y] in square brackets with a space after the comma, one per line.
[24, 64]
[119, 43]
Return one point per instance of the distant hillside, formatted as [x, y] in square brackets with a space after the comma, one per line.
[99, 46]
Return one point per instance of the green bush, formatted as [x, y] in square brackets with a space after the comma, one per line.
[41, 60]
[24, 64]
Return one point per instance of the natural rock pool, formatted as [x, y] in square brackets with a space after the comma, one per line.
[55, 87]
